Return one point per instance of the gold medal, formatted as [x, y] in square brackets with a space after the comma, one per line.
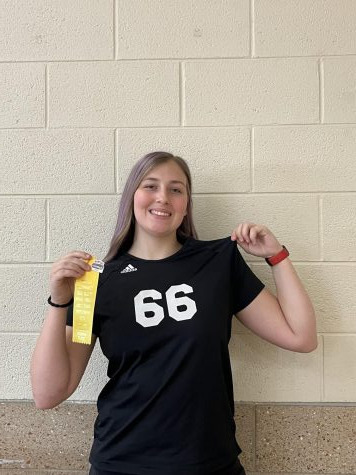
[84, 302]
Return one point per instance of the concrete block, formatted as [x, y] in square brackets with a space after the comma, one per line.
[58, 161]
[113, 94]
[15, 357]
[336, 440]
[263, 372]
[245, 433]
[84, 223]
[331, 289]
[339, 227]
[39, 30]
[22, 95]
[339, 369]
[219, 158]
[16, 352]
[264, 91]
[292, 218]
[23, 298]
[320, 27]
[312, 158]
[66, 429]
[339, 89]
[184, 29]
[288, 438]
[305, 439]
[22, 234]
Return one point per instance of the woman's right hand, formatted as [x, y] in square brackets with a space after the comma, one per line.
[64, 271]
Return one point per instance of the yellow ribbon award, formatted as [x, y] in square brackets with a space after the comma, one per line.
[84, 302]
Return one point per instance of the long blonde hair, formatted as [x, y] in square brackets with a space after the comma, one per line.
[125, 225]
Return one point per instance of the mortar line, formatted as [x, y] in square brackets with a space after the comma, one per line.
[252, 159]
[320, 225]
[46, 230]
[115, 29]
[252, 29]
[321, 91]
[115, 162]
[181, 94]
[181, 58]
[195, 126]
[46, 98]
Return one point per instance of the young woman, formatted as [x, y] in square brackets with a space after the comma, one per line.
[163, 317]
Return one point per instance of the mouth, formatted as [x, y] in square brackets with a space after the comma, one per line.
[157, 212]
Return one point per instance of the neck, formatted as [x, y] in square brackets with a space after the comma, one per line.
[153, 248]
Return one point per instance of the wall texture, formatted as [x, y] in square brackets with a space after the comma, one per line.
[257, 95]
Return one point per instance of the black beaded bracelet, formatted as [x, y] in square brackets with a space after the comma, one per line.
[60, 306]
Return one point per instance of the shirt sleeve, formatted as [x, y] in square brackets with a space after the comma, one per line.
[245, 284]
[95, 329]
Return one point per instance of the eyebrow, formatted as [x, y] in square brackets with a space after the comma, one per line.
[156, 179]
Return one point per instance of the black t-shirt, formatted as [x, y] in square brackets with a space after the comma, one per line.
[164, 326]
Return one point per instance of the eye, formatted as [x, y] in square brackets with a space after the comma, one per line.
[150, 187]
[177, 190]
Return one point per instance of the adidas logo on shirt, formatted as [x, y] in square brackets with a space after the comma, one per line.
[128, 268]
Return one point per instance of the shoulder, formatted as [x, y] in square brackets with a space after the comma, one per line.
[109, 268]
[215, 245]
[222, 247]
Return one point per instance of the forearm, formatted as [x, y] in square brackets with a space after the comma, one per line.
[295, 304]
[50, 368]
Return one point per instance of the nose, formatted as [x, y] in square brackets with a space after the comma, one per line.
[162, 196]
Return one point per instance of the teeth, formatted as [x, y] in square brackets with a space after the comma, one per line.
[159, 213]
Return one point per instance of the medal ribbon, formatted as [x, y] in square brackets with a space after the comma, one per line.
[84, 302]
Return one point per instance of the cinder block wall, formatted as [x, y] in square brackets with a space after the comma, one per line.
[257, 95]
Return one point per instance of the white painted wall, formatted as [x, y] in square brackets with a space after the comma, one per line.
[257, 95]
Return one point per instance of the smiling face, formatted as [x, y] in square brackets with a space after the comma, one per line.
[160, 201]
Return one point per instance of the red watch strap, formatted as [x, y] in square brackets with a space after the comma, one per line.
[273, 260]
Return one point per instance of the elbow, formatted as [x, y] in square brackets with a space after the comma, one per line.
[48, 401]
[46, 396]
[307, 346]
[309, 341]
[43, 405]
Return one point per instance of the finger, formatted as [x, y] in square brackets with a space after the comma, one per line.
[81, 263]
[254, 232]
[67, 271]
[80, 254]
[246, 231]
[70, 269]
[62, 274]
[66, 274]
[238, 232]
[69, 262]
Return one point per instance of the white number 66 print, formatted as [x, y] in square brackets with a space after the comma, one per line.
[173, 302]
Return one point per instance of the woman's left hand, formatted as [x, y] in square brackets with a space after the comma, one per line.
[256, 239]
